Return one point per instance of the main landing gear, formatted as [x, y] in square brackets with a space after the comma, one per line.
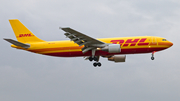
[152, 58]
[95, 58]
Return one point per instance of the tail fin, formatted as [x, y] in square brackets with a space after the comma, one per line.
[22, 33]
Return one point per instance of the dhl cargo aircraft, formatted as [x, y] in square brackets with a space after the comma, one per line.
[83, 45]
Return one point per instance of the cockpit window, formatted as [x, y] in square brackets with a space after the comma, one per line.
[164, 40]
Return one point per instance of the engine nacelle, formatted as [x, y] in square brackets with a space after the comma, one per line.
[112, 48]
[118, 58]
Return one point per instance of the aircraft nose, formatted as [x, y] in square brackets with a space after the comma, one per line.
[170, 44]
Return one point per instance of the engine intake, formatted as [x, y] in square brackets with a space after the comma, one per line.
[118, 58]
[112, 48]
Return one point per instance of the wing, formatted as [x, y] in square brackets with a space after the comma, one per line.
[82, 39]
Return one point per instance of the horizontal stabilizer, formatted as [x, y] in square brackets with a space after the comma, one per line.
[18, 43]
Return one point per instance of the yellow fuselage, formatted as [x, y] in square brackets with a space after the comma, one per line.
[129, 45]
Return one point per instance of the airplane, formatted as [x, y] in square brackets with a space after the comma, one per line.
[81, 45]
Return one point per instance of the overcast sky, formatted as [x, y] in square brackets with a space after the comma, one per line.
[26, 76]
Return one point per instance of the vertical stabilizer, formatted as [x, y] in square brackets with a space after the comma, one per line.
[23, 34]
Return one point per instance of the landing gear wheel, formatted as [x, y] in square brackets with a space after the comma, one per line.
[95, 64]
[152, 58]
[95, 59]
[99, 64]
[90, 58]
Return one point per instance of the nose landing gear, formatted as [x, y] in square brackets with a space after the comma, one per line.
[152, 58]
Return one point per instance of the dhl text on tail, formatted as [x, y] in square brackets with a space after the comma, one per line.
[114, 49]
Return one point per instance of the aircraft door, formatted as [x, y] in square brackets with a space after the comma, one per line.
[153, 41]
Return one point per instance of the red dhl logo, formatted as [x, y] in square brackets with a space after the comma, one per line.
[25, 35]
[131, 42]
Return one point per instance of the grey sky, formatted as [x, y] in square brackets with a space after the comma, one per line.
[26, 76]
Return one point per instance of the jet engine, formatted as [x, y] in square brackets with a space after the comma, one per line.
[112, 48]
[117, 58]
